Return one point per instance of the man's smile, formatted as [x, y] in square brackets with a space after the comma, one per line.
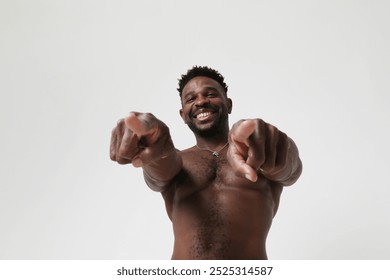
[203, 114]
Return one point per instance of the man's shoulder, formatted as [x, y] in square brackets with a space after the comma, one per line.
[186, 152]
[190, 156]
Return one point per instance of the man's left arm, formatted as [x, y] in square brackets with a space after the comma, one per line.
[256, 146]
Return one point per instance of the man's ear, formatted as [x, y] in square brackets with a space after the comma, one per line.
[182, 115]
[230, 105]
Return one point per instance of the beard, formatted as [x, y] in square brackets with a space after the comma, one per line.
[216, 127]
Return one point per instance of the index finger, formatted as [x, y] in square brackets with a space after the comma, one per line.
[143, 124]
[243, 131]
[240, 166]
[251, 134]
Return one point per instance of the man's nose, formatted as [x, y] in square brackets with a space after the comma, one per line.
[201, 100]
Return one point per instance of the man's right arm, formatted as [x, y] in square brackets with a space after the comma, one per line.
[145, 141]
[159, 174]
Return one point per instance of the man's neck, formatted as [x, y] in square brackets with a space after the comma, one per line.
[212, 142]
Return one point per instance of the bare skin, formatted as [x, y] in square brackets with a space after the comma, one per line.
[221, 207]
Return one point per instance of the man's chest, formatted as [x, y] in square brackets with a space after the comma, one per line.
[203, 172]
[205, 183]
[204, 168]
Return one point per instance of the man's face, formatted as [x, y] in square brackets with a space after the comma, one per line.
[205, 107]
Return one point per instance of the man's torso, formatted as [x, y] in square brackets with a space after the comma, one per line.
[217, 215]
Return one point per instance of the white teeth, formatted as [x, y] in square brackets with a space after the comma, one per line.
[203, 115]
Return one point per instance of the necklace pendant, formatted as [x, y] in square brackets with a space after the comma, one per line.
[214, 153]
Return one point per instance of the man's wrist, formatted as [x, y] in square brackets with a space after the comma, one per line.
[165, 167]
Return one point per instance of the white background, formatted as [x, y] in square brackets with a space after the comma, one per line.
[69, 70]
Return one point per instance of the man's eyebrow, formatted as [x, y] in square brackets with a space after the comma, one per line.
[188, 93]
[211, 88]
[206, 87]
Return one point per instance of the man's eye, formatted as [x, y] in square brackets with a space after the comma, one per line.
[189, 100]
[212, 94]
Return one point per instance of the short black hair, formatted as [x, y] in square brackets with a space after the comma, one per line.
[201, 71]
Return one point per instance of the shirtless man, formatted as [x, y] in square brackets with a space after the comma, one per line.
[221, 194]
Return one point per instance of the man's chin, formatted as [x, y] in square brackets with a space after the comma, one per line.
[203, 130]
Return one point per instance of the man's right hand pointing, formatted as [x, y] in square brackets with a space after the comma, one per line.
[140, 139]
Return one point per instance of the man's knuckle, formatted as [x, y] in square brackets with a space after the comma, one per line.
[113, 156]
[122, 160]
[120, 122]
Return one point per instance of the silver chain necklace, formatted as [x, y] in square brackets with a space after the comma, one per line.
[214, 153]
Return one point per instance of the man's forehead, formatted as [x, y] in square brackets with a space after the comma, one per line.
[201, 82]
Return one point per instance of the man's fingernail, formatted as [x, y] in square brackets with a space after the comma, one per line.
[248, 176]
[251, 178]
